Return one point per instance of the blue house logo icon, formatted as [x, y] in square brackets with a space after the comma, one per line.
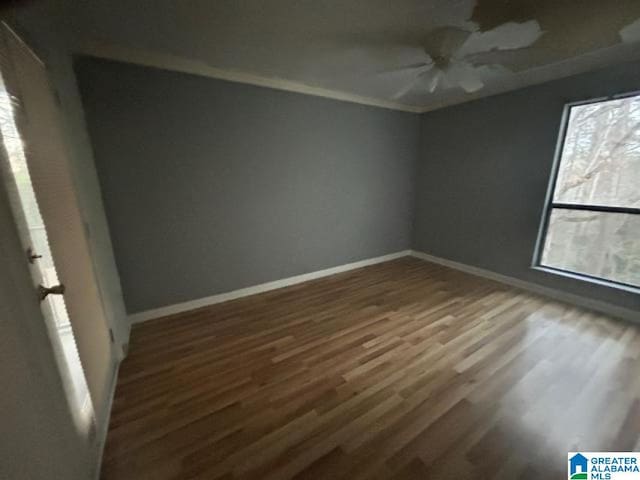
[578, 467]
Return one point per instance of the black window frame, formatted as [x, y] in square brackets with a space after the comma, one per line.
[550, 205]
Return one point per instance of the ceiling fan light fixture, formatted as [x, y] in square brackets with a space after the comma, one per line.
[452, 55]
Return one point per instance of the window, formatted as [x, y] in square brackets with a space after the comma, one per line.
[592, 220]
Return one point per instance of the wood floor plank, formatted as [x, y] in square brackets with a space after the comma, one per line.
[400, 370]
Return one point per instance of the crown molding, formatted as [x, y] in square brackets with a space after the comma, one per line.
[603, 58]
[196, 67]
[608, 57]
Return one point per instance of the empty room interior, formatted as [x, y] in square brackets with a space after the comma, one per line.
[296, 239]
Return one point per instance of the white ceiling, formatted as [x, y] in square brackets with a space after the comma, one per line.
[343, 46]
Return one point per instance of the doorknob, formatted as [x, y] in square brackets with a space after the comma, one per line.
[55, 290]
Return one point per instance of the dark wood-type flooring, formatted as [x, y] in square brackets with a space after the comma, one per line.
[402, 370]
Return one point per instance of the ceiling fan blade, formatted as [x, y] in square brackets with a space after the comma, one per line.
[408, 68]
[444, 41]
[631, 33]
[508, 36]
[497, 57]
[471, 85]
[492, 70]
[464, 75]
[408, 87]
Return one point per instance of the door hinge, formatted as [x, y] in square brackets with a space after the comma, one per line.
[32, 256]
[44, 292]
[111, 336]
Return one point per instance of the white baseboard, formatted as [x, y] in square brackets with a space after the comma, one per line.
[101, 436]
[264, 287]
[597, 305]
[589, 303]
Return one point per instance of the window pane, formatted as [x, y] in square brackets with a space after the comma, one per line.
[604, 245]
[600, 162]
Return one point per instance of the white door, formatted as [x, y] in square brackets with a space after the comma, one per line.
[37, 177]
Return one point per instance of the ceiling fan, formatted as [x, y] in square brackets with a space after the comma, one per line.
[454, 55]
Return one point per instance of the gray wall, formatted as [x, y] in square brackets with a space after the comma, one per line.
[483, 173]
[211, 186]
